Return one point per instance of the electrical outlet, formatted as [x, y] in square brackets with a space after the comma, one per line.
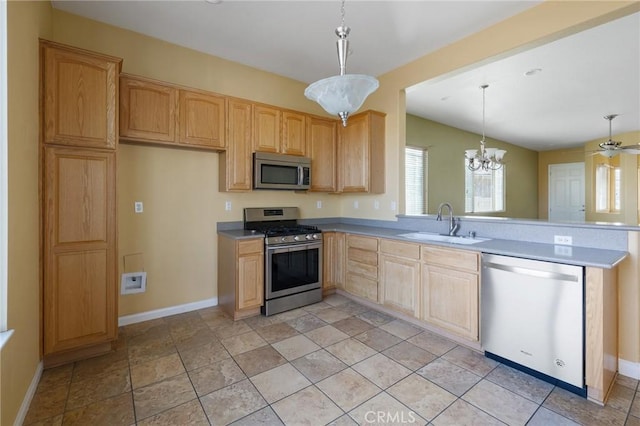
[376, 204]
[356, 205]
[393, 206]
[318, 204]
[138, 207]
[227, 205]
[562, 239]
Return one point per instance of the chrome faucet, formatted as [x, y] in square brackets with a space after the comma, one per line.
[453, 226]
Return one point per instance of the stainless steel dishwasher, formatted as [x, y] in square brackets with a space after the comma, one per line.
[533, 318]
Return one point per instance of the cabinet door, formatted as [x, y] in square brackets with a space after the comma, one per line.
[294, 134]
[333, 261]
[236, 162]
[354, 155]
[267, 123]
[322, 145]
[80, 98]
[450, 300]
[80, 289]
[201, 120]
[250, 281]
[147, 110]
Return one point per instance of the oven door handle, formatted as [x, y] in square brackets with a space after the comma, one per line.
[294, 247]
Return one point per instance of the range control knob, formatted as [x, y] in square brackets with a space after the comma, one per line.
[296, 238]
[316, 236]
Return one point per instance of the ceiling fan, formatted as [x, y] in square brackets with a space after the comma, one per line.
[611, 148]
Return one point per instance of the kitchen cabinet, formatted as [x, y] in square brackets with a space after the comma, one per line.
[241, 276]
[267, 124]
[162, 113]
[294, 138]
[361, 277]
[78, 204]
[361, 154]
[450, 290]
[322, 146]
[333, 262]
[399, 281]
[236, 162]
[79, 97]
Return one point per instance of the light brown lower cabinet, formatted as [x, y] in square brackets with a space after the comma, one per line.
[332, 262]
[399, 283]
[362, 266]
[241, 276]
[80, 287]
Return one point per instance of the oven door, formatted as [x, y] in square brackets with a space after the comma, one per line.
[293, 269]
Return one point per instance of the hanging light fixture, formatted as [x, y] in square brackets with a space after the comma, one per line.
[487, 158]
[345, 93]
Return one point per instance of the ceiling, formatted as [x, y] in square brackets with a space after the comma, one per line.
[296, 39]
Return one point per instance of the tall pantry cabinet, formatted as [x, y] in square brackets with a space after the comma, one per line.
[79, 122]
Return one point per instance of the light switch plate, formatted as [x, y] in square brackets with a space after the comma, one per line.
[138, 207]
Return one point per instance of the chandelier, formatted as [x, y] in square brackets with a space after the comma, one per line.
[345, 93]
[487, 158]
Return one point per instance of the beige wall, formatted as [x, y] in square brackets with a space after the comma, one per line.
[26, 22]
[446, 146]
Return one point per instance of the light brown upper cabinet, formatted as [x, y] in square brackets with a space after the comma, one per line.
[322, 145]
[201, 119]
[294, 141]
[361, 154]
[80, 92]
[267, 124]
[148, 110]
[235, 163]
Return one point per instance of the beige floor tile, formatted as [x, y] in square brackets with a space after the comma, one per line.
[52, 421]
[96, 388]
[189, 413]
[157, 397]
[318, 365]
[620, 397]
[422, 396]
[449, 376]
[375, 318]
[151, 349]
[627, 382]
[635, 405]
[279, 382]
[133, 330]
[327, 335]
[352, 326]
[238, 327]
[462, 413]
[471, 360]
[401, 329]
[351, 351]
[215, 376]
[99, 366]
[217, 321]
[544, 417]
[384, 409]
[117, 410]
[409, 355]
[290, 315]
[232, 403]
[316, 307]
[381, 370]
[331, 315]
[501, 403]
[54, 377]
[348, 389]
[581, 410]
[295, 347]
[344, 420]
[276, 332]
[189, 338]
[266, 417]
[156, 370]
[433, 343]
[243, 342]
[520, 383]
[149, 336]
[307, 407]
[632, 421]
[260, 321]
[336, 299]
[353, 308]
[204, 355]
[306, 323]
[378, 339]
[47, 404]
[259, 360]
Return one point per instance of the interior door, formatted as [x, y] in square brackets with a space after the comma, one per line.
[566, 192]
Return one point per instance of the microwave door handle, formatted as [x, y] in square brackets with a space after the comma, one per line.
[300, 175]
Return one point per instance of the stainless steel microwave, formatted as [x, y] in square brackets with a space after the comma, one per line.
[278, 171]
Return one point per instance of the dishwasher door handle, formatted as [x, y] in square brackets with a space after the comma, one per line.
[531, 272]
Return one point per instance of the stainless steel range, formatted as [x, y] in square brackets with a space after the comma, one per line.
[293, 258]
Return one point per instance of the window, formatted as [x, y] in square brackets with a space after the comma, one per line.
[415, 180]
[484, 190]
[608, 187]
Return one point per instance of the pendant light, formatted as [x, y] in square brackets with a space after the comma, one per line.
[345, 93]
[487, 158]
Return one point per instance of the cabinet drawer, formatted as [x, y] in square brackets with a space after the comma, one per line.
[362, 269]
[362, 286]
[362, 256]
[364, 243]
[457, 259]
[400, 249]
[250, 246]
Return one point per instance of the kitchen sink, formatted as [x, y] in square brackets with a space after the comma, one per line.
[453, 239]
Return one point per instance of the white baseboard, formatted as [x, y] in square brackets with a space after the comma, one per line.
[28, 397]
[629, 369]
[165, 312]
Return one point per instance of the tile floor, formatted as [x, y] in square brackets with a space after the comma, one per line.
[335, 362]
